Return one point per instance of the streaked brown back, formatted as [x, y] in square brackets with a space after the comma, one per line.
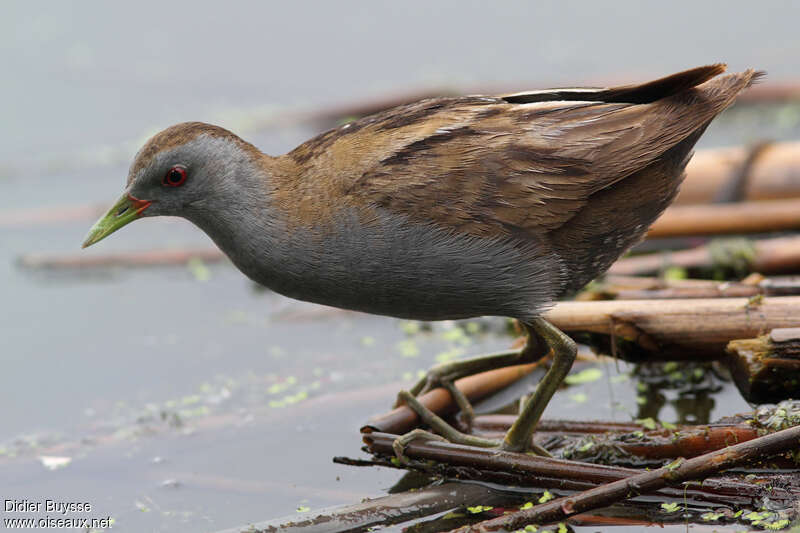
[511, 165]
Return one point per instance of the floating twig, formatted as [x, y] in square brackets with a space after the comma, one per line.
[144, 258]
[384, 511]
[774, 174]
[560, 474]
[638, 447]
[675, 473]
[501, 423]
[767, 256]
[733, 218]
[10, 218]
[767, 368]
[639, 288]
[678, 329]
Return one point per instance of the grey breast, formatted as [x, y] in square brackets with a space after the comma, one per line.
[395, 267]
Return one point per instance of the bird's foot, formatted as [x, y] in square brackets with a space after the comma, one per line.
[445, 375]
[519, 438]
[441, 376]
[446, 432]
[400, 443]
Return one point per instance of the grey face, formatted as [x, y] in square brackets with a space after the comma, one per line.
[200, 174]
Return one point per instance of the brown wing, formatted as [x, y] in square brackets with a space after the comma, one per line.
[521, 163]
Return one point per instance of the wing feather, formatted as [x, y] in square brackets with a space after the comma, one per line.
[495, 165]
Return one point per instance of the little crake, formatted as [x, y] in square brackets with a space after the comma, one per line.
[445, 208]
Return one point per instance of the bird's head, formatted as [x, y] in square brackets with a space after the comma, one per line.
[186, 168]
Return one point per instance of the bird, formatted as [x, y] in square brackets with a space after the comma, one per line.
[445, 208]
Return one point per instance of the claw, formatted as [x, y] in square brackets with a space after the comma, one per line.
[400, 443]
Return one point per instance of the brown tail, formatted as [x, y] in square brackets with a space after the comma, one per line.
[651, 91]
[725, 88]
[643, 93]
[684, 112]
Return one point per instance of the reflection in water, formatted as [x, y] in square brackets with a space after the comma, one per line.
[686, 386]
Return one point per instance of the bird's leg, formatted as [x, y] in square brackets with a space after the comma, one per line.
[519, 436]
[445, 374]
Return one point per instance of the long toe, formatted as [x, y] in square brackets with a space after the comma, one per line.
[400, 443]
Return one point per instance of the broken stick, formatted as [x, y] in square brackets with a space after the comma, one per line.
[675, 473]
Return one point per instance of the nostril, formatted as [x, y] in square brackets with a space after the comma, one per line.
[122, 210]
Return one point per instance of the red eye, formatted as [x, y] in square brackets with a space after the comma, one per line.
[175, 177]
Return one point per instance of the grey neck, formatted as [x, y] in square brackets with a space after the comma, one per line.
[243, 225]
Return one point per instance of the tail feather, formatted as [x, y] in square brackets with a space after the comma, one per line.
[725, 89]
[651, 91]
[643, 93]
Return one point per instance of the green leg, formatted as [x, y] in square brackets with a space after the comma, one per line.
[518, 438]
